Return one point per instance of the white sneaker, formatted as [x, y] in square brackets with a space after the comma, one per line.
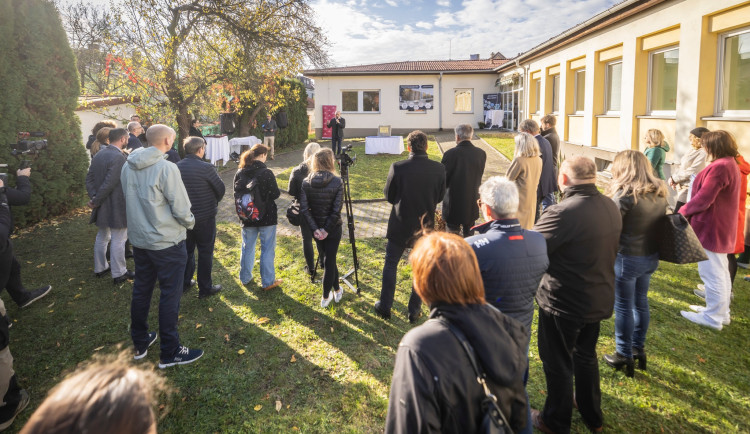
[700, 319]
[338, 295]
[697, 308]
[324, 302]
[700, 292]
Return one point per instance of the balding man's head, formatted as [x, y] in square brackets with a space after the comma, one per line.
[133, 127]
[577, 170]
[160, 136]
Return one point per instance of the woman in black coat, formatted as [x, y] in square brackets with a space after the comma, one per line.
[253, 167]
[299, 174]
[321, 199]
[434, 386]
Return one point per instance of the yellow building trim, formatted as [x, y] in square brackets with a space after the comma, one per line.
[553, 70]
[610, 54]
[731, 19]
[661, 39]
[536, 75]
[578, 63]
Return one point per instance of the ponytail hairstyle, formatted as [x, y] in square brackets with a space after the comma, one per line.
[247, 157]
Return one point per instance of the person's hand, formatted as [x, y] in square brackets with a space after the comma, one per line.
[91, 204]
[1, 183]
[24, 172]
[323, 234]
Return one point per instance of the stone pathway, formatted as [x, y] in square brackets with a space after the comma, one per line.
[370, 217]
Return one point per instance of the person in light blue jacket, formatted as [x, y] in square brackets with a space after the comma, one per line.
[158, 213]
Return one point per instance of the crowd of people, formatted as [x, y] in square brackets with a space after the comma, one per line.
[548, 235]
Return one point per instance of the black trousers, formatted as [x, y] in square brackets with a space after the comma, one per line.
[12, 269]
[393, 253]
[307, 245]
[568, 349]
[336, 145]
[460, 229]
[202, 236]
[327, 249]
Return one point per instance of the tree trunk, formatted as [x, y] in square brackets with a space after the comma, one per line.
[247, 118]
[183, 127]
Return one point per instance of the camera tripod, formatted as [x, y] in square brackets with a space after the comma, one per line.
[345, 162]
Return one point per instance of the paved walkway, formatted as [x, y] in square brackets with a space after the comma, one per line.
[370, 217]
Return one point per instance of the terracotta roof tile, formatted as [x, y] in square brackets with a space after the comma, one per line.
[413, 66]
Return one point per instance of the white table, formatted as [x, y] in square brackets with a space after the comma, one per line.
[494, 118]
[384, 145]
[217, 148]
[236, 144]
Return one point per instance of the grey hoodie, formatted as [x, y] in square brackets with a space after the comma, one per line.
[158, 207]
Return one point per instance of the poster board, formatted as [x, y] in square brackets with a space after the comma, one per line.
[416, 98]
[329, 112]
[491, 101]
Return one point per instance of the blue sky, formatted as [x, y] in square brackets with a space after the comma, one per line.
[375, 31]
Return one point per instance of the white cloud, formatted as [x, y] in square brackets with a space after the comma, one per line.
[444, 3]
[391, 3]
[423, 25]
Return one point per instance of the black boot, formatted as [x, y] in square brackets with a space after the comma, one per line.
[639, 354]
[618, 361]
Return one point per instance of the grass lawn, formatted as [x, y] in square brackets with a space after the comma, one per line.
[368, 175]
[330, 369]
[505, 145]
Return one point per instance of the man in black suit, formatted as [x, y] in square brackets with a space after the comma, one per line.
[134, 129]
[205, 189]
[337, 125]
[464, 167]
[414, 187]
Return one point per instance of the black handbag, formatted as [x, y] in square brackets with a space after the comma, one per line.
[677, 241]
[493, 419]
[293, 213]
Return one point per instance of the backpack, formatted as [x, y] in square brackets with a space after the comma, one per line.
[251, 208]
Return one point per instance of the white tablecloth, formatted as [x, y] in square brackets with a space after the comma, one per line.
[494, 118]
[235, 145]
[384, 145]
[217, 148]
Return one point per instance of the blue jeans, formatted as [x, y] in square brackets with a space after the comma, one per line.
[267, 254]
[168, 265]
[632, 276]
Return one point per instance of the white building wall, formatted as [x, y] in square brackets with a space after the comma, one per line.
[89, 117]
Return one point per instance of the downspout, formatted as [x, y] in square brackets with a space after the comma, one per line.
[440, 102]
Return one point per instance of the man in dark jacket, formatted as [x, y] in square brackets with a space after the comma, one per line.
[576, 294]
[13, 398]
[337, 125]
[107, 203]
[269, 135]
[550, 133]
[134, 129]
[512, 260]
[21, 195]
[414, 186]
[545, 192]
[464, 167]
[205, 189]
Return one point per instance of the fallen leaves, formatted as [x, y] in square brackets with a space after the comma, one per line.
[198, 325]
[293, 359]
[263, 320]
[241, 352]
[257, 407]
[278, 406]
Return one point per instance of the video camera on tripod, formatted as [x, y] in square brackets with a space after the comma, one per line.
[346, 161]
[25, 146]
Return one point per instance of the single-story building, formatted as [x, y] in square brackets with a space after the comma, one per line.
[93, 109]
[428, 95]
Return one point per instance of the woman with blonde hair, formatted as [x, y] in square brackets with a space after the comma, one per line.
[525, 171]
[691, 163]
[253, 168]
[299, 174]
[321, 199]
[656, 150]
[642, 199]
[434, 386]
[102, 139]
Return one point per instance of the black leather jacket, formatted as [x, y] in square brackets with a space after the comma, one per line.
[639, 218]
[321, 199]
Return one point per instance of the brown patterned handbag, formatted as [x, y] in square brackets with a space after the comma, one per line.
[677, 241]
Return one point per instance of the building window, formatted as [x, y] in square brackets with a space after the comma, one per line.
[612, 83]
[556, 93]
[537, 96]
[580, 90]
[662, 81]
[360, 101]
[462, 100]
[734, 75]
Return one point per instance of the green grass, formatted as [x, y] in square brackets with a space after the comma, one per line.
[505, 145]
[331, 368]
[368, 174]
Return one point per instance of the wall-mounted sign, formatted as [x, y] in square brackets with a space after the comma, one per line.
[491, 101]
[416, 98]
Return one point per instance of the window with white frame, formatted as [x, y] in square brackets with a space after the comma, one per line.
[580, 91]
[462, 100]
[537, 96]
[733, 93]
[613, 87]
[556, 93]
[360, 101]
[662, 81]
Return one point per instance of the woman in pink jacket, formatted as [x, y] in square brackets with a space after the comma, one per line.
[712, 212]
